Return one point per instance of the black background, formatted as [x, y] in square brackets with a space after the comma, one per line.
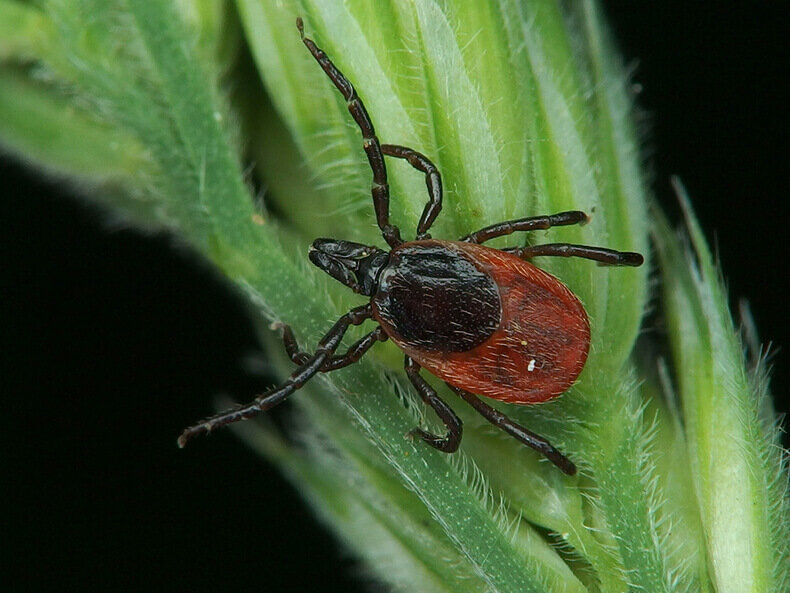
[112, 341]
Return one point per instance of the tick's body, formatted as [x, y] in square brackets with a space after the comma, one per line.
[483, 320]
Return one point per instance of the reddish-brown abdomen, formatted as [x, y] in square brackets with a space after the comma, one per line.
[538, 348]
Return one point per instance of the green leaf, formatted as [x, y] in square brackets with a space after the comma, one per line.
[23, 31]
[737, 464]
[43, 125]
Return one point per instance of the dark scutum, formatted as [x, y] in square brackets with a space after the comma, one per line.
[435, 299]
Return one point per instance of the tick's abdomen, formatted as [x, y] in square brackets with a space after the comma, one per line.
[483, 320]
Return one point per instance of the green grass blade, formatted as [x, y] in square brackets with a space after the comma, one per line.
[738, 468]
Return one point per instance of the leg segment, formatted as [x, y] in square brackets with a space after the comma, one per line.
[380, 189]
[600, 254]
[433, 180]
[448, 443]
[352, 355]
[311, 366]
[529, 438]
[533, 223]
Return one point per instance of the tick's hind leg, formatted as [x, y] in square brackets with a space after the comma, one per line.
[448, 443]
[529, 438]
[609, 257]
[312, 365]
[533, 223]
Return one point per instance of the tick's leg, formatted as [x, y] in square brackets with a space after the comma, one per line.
[356, 351]
[311, 366]
[533, 223]
[380, 189]
[600, 254]
[290, 343]
[448, 443]
[433, 180]
[529, 438]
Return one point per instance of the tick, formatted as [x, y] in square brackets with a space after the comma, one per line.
[485, 321]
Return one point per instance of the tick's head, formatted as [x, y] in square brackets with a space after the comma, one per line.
[355, 265]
